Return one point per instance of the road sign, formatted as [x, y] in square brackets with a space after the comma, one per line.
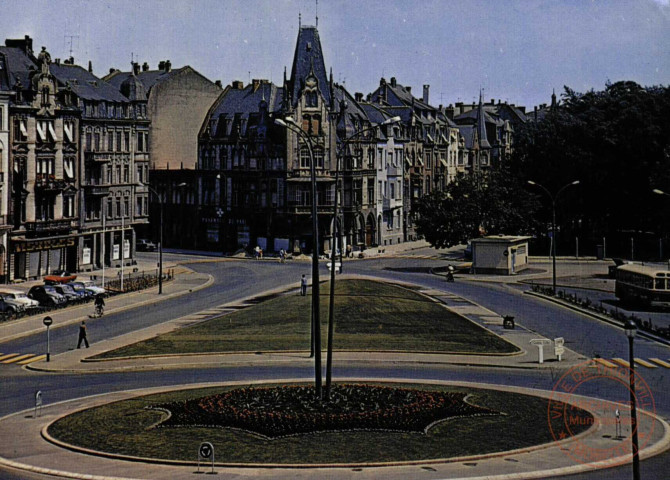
[206, 452]
[559, 349]
[47, 321]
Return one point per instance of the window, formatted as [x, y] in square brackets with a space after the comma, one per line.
[89, 142]
[318, 157]
[138, 207]
[126, 141]
[110, 208]
[126, 174]
[118, 174]
[110, 141]
[118, 207]
[45, 167]
[109, 174]
[118, 141]
[126, 207]
[45, 208]
[380, 156]
[141, 142]
[140, 177]
[304, 157]
[96, 137]
[20, 130]
[45, 131]
[68, 206]
[371, 192]
[392, 185]
[2, 118]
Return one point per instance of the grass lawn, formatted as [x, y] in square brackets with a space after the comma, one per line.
[369, 316]
[126, 428]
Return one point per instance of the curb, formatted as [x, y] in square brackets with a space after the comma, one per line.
[602, 318]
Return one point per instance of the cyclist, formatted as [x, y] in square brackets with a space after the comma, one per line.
[99, 305]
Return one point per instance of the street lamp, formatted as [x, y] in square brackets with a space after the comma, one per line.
[631, 329]
[331, 306]
[290, 124]
[160, 236]
[553, 225]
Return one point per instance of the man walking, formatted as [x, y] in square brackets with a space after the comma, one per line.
[303, 286]
[82, 334]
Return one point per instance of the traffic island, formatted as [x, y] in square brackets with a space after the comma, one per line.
[284, 425]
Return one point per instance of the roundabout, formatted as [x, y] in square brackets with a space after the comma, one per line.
[50, 452]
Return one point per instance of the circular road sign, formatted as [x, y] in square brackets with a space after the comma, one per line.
[206, 450]
[47, 321]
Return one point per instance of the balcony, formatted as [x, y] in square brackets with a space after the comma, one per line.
[97, 157]
[48, 226]
[49, 183]
[96, 190]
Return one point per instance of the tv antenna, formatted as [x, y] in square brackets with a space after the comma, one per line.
[71, 39]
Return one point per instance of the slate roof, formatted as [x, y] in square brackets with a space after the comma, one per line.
[86, 85]
[243, 107]
[473, 115]
[468, 134]
[308, 57]
[148, 78]
[18, 66]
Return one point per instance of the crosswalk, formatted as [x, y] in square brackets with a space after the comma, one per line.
[20, 358]
[639, 362]
[422, 257]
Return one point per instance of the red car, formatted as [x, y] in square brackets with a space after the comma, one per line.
[60, 276]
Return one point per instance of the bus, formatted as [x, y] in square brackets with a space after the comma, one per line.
[642, 284]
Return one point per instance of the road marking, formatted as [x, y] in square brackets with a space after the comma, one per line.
[644, 363]
[7, 356]
[602, 361]
[622, 362]
[31, 360]
[660, 362]
[18, 358]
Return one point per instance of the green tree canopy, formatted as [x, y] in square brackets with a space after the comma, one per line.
[476, 204]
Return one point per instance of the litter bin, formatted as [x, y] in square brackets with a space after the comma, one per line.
[600, 252]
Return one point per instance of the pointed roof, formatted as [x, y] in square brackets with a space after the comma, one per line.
[308, 59]
[84, 84]
[481, 125]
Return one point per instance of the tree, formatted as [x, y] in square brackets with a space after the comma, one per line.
[476, 204]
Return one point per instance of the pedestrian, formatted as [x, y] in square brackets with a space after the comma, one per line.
[350, 252]
[282, 255]
[303, 286]
[257, 252]
[82, 334]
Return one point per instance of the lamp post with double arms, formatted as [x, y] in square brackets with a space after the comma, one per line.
[331, 320]
[290, 124]
[553, 199]
[160, 237]
[631, 328]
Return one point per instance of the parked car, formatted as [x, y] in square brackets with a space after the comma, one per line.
[60, 276]
[81, 289]
[18, 298]
[70, 293]
[144, 245]
[90, 286]
[6, 308]
[46, 295]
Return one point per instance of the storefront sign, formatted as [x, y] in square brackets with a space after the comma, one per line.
[86, 256]
[39, 245]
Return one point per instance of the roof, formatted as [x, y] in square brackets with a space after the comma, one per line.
[308, 58]
[502, 239]
[243, 107]
[148, 78]
[398, 95]
[84, 84]
[468, 134]
[18, 66]
[653, 270]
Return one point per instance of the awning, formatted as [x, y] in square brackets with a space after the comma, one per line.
[420, 160]
[430, 139]
[409, 162]
[67, 128]
[52, 132]
[41, 131]
[445, 139]
[443, 162]
[22, 126]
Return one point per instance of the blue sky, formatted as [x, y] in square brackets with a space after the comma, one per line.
[516, 50]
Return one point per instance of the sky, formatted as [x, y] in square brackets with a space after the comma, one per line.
[517, 51]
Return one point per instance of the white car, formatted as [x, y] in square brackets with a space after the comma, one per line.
[18, 299]
[91, 287]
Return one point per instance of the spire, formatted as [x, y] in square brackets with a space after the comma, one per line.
[553, 99]
[332, 91]
[308, 60]
[481, 124]
[317, 13]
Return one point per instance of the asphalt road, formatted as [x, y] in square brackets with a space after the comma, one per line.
[238, 279]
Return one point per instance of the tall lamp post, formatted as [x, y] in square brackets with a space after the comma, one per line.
[631, 328]
[160, 237]
[290, 124]
[331, 306]
[553, 225]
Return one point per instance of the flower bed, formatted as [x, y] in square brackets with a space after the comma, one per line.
[292, 410]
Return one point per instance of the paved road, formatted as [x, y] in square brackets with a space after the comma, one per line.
[238, 279]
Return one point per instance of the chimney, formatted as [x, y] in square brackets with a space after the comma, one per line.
[409, 89]
[145, 67]
[393, 82]
[168, 66]
[238, 85]
[90, 67]
[57, 61]
[523, 109]
[256, 83]
[493, 101]
[218, 84]
[426, 92]
[369, 97]
[112, 70]
[358, 96]
[382, 81]
[136, 68]
[161, 65]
